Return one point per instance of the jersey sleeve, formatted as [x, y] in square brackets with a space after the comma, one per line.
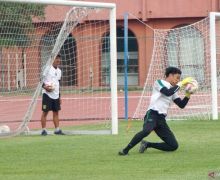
[158, 85]
[175, 96]
[60, 75]
[48, 76]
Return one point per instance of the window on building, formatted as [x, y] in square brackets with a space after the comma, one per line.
[132, 62]
[186, 50]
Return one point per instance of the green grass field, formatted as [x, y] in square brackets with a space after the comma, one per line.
[84, 157]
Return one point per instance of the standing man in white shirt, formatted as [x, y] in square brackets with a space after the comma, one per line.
[164, 92]
[51, 97]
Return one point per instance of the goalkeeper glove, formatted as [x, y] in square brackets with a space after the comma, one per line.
[185, 81]
[187, 94]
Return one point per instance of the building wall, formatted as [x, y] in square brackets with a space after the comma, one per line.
[150, 9]
[145, 39]
[158, 14]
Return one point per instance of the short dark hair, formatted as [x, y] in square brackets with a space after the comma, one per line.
[58, 56]
[172, 70]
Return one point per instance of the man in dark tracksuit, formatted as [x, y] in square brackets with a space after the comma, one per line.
[164, 92]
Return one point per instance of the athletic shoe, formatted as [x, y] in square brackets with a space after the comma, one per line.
[60, 132]
[122, 153]
[44, 133]
[143, 146]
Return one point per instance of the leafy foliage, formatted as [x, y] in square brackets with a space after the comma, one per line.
[16, 23]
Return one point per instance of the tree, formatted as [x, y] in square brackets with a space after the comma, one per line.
[16, 21]
[16, 27]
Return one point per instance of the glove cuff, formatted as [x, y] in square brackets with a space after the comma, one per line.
[187, 95]
[180, 84]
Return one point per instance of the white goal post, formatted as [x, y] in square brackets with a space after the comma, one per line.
[87, 84]
[213, 45]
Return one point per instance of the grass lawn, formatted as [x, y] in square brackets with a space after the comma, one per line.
[94, 157]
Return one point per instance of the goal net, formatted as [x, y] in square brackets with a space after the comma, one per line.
[31, 36]
[187, 48]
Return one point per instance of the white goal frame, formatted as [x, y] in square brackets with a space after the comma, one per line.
[213, 16]
[113, 47]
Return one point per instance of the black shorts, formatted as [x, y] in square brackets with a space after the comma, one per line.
[49, 104]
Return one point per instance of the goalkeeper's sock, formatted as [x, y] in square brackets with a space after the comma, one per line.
[124, 151]
[57, 129]
[127, 148]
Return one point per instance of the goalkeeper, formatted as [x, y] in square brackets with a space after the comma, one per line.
[164, 91]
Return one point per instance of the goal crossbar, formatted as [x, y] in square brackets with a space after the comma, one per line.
[66, 3]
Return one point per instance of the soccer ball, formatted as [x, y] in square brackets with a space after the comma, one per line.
[50, 85]
[192, 87]
[4, 129]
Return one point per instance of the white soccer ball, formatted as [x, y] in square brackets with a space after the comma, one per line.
[192, 87]
[51, 85]
[4, 129]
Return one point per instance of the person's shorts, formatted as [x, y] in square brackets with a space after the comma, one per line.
[49, 104]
